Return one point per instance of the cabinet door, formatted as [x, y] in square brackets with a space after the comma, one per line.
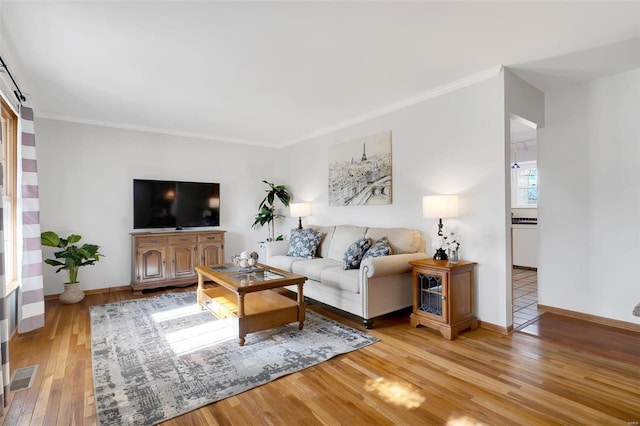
[525, 246]
[210, 254]
[152, 264]
[183, 261]
[432, 289]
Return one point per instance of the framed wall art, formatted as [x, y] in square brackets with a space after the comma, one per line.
[360, 171]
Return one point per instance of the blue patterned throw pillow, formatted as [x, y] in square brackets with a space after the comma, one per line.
[353, 255]
[304, 243]
[378, 249]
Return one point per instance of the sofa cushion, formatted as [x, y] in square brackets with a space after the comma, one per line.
[355, 252]
[284, 262]
[338, 278]
[401, 240]
[303, 243]
[378, 249]
[325, 240]
[343, 237]
[312, 268]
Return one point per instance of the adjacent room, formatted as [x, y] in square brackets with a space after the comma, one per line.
[341, 212]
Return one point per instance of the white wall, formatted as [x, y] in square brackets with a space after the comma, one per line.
[86, 175]
[451, 144]
[589, 157]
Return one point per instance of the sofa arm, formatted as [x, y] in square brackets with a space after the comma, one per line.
[388, 265]
[275, 248]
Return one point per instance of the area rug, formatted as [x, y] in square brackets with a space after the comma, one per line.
[160, 357]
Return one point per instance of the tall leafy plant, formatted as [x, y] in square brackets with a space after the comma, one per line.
[71, 257]
[267, 211]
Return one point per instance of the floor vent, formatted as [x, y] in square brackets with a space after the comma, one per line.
[23, 378]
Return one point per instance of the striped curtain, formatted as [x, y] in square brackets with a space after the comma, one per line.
[31, 294]
[4, 309]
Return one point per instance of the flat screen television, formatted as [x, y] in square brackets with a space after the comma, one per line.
[173, 204]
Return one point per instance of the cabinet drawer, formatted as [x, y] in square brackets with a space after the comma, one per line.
[209, 238]
[151, 241]
[182, 239]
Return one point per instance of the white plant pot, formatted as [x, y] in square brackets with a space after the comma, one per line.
[72, 293]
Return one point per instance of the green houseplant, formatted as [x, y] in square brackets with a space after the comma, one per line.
[267, 211]
[70, 258]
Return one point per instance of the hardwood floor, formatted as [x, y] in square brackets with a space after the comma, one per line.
[412, 376]
[609, 342]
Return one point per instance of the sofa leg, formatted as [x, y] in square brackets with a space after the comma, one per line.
[368, 323]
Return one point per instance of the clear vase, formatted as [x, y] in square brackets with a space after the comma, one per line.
[453, 256]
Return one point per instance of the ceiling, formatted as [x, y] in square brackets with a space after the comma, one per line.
[274, 73]
[521, 132]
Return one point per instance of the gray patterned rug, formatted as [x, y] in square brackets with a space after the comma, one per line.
[160, 357]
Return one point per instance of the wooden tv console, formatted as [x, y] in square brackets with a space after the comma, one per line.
[162, 259]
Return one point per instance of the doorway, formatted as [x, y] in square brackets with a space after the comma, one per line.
[524, 221]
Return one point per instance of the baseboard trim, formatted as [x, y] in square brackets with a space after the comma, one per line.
[496, 328]
[591, 318]
[108, 290]
[94, 291]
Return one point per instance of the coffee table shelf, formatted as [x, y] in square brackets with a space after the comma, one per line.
[224, 304]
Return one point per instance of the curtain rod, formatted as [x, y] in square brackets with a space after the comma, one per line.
[17, 92]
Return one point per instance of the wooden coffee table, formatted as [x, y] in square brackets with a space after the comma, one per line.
[249, 296]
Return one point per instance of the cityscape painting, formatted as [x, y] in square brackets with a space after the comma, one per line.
[360, 171]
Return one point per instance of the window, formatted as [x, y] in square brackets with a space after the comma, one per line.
[524, 185]
[10, 192]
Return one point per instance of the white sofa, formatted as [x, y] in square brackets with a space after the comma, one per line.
[380, 286]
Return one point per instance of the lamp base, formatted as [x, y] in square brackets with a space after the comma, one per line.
[440, 255]
[300, 222]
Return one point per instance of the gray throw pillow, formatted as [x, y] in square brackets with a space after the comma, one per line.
[304, 243]
[353, 255]
[378, 249]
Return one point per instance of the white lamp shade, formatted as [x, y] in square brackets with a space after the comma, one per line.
[440, 206]
[300, 209]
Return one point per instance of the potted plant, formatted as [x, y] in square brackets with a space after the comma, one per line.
[70, 257]
[267, 211]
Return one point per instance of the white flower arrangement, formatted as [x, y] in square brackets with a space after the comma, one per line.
[449, 240]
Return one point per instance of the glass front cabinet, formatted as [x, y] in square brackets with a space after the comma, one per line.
[443, 296]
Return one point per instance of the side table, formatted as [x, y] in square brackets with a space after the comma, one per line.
[443, 296]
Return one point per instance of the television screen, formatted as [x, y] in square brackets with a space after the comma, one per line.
[172, 204]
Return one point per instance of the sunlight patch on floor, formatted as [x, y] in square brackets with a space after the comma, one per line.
[202, 336]
[181, 312]
[396, 393]
[463, 421]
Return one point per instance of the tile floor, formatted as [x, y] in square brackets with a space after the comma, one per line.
[525, 296]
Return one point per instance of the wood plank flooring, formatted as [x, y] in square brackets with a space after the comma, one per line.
[609, 342]
[412, 376]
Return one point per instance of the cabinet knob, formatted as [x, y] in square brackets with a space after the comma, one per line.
[444, 298]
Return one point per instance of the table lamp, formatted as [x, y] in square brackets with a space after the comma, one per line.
[299, 210]
[440, 206]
